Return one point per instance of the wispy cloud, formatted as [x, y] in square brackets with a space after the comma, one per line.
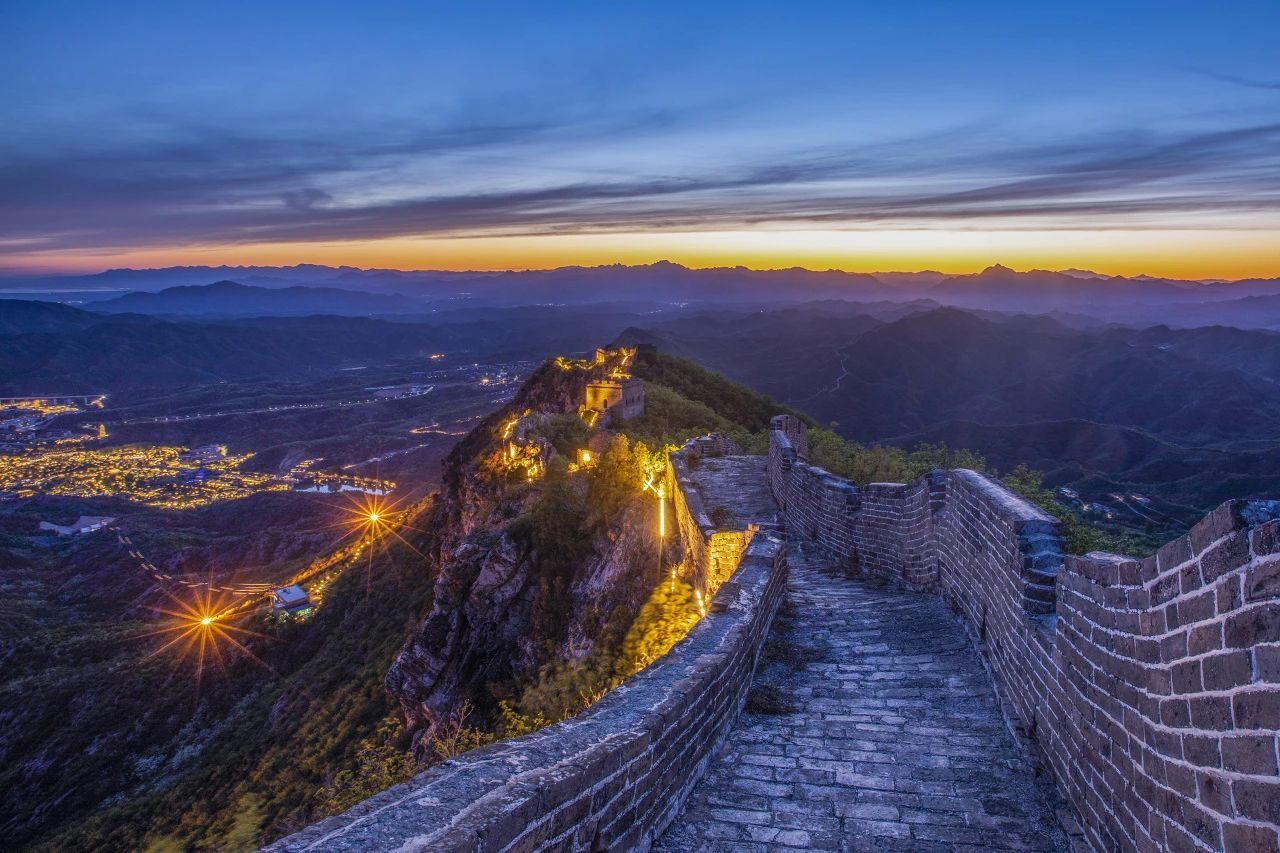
[1247, 82]
[216, 186]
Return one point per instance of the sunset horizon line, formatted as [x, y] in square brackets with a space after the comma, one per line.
[945, 270]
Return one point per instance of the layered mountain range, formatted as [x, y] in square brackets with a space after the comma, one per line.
[1189, 415]
[1068, 371]
[1249, 303]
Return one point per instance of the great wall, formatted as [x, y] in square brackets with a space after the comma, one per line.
[959, 684]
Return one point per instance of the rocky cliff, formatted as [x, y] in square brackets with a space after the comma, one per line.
[509, 596]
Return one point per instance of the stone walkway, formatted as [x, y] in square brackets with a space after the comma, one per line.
[871, 726]
[736, 484]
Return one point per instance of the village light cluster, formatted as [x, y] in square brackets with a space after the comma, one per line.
[160, 476]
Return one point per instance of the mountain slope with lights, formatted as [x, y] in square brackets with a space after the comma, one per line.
[133, 719]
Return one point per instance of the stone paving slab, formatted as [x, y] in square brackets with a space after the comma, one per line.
[738, 484]
[871, 727]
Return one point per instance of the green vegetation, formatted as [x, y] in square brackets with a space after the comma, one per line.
[671, 419]
[566, 688]
[881, 463]
[259, 751]
[566, 432]
[1079, 536]
[684, 400]
[561, 521]
[559, 525]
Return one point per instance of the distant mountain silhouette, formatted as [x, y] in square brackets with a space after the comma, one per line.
[48, 347]
[19, 317]
[1133, 300]
[1190, 414]
[231, 299]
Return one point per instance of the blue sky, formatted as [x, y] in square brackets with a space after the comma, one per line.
[526, 134]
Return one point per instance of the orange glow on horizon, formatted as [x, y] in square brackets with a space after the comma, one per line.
[1175, 253]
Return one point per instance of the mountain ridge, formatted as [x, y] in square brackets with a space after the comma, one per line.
[228, 298]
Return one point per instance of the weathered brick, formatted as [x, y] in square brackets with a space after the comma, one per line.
[1262, 581]
[1226, 556]
[1250, 754]
[1257, 800]
[1266, 660]
[1227, 670]
[1258, 624]
[1201, 750]
[1259, 709]
[1211, 712]
[1265, 538]
[1248, 838]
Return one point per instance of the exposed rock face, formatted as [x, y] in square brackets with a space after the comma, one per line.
[481, 628]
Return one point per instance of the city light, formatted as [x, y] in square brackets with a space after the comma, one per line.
[157, 475]
[369, 514]
[371, 518]
[202, 631]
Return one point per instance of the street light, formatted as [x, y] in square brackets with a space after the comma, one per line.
[660, 491]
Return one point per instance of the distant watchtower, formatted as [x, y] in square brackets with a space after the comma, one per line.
[611, 394]
[616, 400]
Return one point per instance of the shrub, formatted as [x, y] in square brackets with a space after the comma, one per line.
[1079, 537]
[566, 432]
[663, 620]
[380, 762]
[454, 737]
[616, 479]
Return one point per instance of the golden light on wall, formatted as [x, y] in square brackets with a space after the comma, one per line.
[660, 491]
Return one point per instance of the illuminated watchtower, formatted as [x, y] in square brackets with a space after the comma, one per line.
[616, 400]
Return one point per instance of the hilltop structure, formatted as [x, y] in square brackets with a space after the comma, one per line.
[615, 396]
[968, 684]
[83, 524]
[614, 400]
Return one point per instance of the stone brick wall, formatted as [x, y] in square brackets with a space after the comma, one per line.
[701, 555]
[814, 504]
[611, 778]
[1150, 688]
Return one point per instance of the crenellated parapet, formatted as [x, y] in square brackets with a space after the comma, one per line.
[1150, 688]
